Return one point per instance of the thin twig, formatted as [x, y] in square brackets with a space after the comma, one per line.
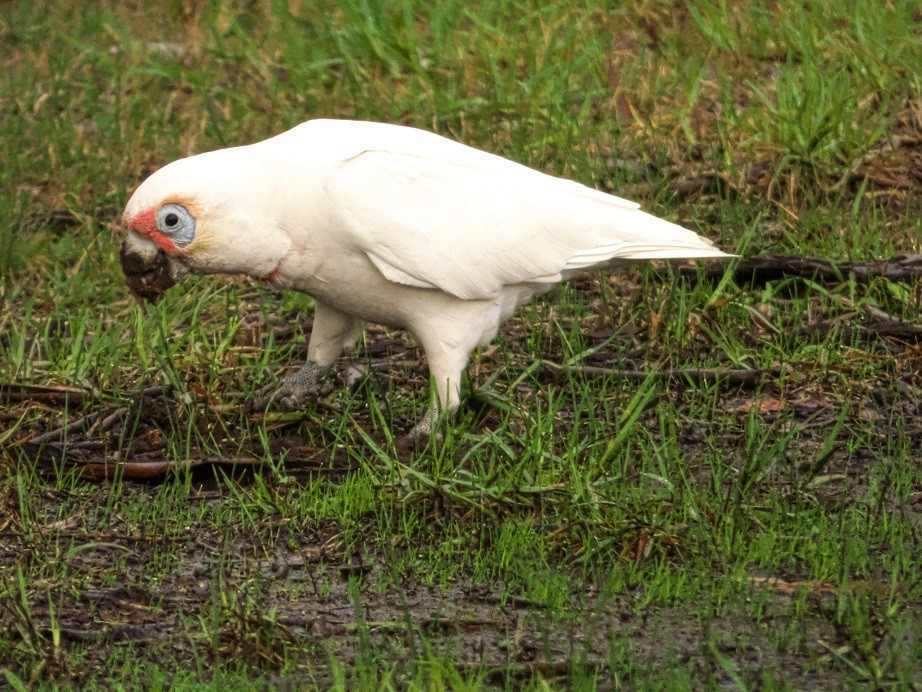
[110, 420]
[151, 392]
[760, 270]
[51, 394]
[876, 313]
[696, 375]
[157, 468]
[65, 430]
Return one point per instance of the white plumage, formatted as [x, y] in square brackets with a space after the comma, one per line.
[387, 224]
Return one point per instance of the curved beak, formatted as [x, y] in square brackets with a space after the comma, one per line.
[149, 271]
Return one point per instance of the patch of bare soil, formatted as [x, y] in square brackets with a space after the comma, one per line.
[311, 602]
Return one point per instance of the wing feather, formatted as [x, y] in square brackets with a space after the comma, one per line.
[470, 223]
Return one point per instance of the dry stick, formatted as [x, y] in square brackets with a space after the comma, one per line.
[51, 394]
[157, 468]
[65, 430]
[878, 314]
[697, 375]
[112, 419]
[760, 270]
[154, 391]
[880, 328]
[109, 633]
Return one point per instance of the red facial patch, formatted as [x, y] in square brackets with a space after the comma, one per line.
[145, 224]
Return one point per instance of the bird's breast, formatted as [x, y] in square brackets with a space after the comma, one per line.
[349, 282]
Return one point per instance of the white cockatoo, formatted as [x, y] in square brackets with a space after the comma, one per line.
[387, 224]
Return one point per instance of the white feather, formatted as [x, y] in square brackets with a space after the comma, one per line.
[472, 223]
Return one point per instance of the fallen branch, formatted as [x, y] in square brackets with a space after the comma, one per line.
[104, 424]
[758, 271]
[107, 633]
[157, 468]
[150, 392]
[48, 394]
[65, 430]
[98, 421]
[864, 332]
[732, 377]
[57, 394]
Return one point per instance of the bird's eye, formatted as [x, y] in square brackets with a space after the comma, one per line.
[175, 221]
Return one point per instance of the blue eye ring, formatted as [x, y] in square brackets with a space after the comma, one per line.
[175, 221]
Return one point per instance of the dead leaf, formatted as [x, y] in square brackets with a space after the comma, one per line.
[64, 524]
[765, 404]
[792, 588]
[654, 323]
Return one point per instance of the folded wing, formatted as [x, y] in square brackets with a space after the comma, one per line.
[471, 223]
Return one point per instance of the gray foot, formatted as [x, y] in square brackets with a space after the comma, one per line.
[295, 391]
[426, 426]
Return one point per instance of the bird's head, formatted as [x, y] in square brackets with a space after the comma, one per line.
[206, 214]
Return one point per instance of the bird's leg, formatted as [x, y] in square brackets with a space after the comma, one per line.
[332, 331]
[446, 366]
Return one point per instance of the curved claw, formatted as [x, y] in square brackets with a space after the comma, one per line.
[294, 391]
[426, 426]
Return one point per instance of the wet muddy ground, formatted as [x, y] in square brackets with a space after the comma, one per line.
[289, 613]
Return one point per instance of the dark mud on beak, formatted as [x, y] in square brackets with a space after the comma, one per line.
[147, 281]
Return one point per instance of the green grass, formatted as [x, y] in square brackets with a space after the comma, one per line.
[570, 529]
